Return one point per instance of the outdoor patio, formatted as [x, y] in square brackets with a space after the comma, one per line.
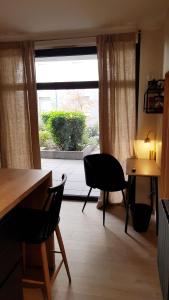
[74, 170]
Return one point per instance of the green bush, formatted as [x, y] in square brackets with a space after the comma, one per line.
[66, 128]
[45, 117]
[45, 138]
[93, 134]
[93, 131]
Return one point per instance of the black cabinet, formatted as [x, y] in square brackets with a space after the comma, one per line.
[163, 248]
[12, 288]
[10, 260]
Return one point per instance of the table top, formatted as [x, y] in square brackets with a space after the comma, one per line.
[142, 167]
[16, 184]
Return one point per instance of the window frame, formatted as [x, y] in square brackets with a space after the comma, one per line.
[71, 85]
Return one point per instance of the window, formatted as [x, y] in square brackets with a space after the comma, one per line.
[67, 80]
[71, 68]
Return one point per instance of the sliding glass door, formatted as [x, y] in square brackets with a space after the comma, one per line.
[67, 86]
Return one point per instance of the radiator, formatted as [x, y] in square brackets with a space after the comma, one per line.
[163, 248]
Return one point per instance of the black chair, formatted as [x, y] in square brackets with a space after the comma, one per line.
[36, 226]
[104, 172]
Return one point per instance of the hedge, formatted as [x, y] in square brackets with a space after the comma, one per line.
[67, 129]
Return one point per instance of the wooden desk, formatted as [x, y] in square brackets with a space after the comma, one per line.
[142, 167]
[17, 187]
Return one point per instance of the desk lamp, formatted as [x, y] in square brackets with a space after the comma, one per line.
[147, 140]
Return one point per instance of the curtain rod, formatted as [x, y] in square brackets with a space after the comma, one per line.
[76, 41]
[85, 36]
[75, 36]
[65, 38]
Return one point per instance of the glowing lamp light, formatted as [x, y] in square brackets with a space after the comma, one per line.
[150, 148]
[145, 149]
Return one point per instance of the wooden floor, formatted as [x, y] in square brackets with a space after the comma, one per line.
[105, 263]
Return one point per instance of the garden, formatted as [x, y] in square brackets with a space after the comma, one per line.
[63, 133]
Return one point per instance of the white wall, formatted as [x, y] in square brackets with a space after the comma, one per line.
[151, 66]
[165, 69]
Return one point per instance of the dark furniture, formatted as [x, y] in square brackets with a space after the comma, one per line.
[104, 172]
[35, 226]
[10, 260]
[27, 188]
[146, 168]
[163, 248]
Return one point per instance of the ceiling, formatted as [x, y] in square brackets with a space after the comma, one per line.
[21, 18]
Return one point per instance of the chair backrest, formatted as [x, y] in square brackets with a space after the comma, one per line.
[55, 196]
[103, 171]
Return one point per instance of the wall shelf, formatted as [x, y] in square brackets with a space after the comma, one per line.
[154, 97]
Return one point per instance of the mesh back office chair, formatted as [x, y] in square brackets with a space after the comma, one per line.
[36, 226]
[104, 172]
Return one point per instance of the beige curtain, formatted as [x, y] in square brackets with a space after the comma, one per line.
[19, 142]
[164, 180]
[116, 57]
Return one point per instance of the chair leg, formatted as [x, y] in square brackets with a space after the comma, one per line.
[107, 199]
[86, 199]
[127, 217]
[104, 206]
[127, 210]
[124, 198]
[46, 270]
[62, 249]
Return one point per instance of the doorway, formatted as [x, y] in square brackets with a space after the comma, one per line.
[67, 87]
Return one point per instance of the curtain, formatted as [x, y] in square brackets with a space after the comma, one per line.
[117, 105]
[19, 144]
[164, 180]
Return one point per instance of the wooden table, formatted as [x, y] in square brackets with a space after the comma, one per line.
[146, 168]
[17, 187]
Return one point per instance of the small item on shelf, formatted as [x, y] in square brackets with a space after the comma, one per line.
[152, 155]
[154, 96]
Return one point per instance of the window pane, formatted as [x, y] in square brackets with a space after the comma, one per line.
[85, 101]
[67, 68]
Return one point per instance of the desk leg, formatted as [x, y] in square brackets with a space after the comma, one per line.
[151, 192]
[156, 199]
[130, 198]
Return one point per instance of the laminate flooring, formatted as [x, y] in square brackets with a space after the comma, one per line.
[104, 262]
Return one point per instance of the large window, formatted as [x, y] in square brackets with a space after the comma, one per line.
[67, 80]
[67, 68]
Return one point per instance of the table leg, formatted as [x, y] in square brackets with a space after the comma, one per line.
[151, 192]
[156, 200]
[130, 199]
